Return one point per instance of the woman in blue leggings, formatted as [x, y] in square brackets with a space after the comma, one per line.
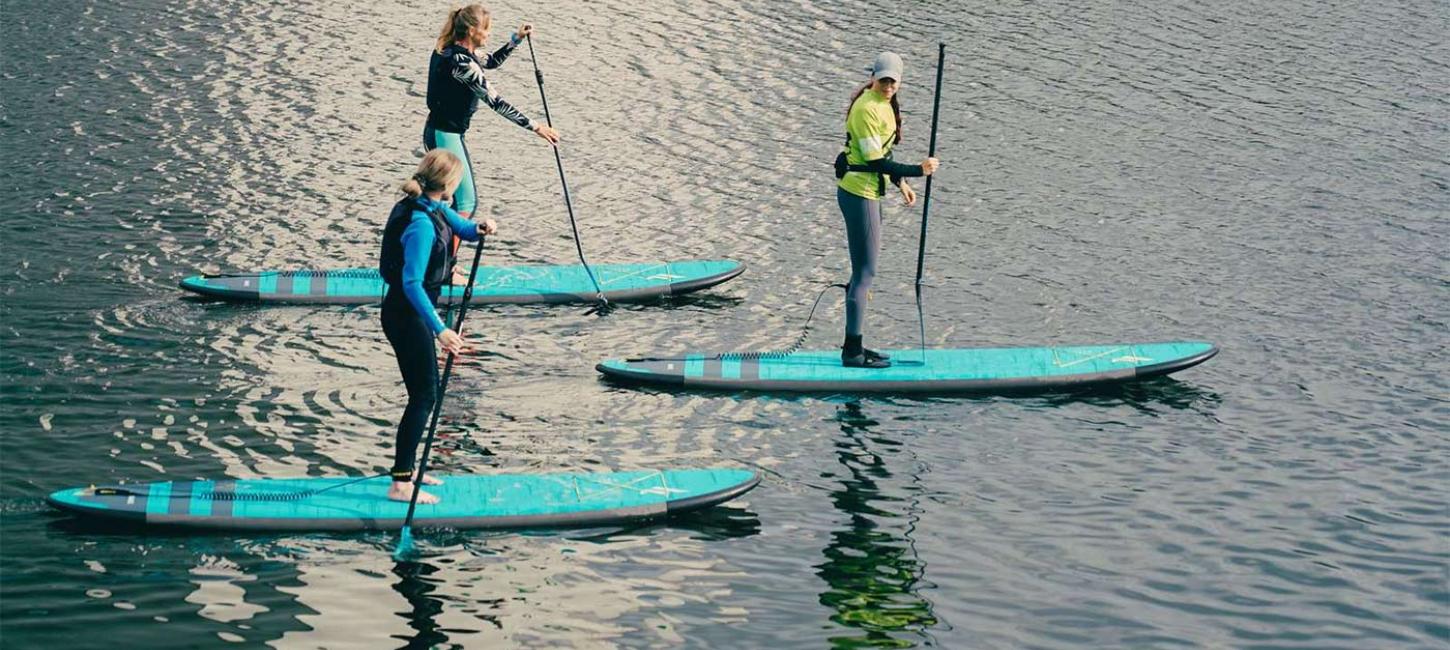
[873, 129]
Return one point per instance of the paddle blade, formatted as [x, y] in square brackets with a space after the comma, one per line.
[601, 307]
[406, 549]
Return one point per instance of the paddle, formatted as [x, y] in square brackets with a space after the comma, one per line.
[539, 76]
[941, 55]
[405, 537]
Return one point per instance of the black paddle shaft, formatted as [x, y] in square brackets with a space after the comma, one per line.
[558, 160]
[941, 55]
[443, 384]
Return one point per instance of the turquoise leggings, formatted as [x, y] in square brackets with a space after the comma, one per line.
[465, 199]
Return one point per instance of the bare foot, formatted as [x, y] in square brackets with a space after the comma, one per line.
[460, 278]
[404, 492]
[428, 479]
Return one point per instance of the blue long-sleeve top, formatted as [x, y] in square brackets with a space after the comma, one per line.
[418, 246]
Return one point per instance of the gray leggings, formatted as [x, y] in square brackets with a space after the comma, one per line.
[863, 238]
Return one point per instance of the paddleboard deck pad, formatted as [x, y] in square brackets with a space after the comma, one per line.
[939, 371]
[494, 284]
[467, 501]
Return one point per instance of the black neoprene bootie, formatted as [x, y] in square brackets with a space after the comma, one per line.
[854, 355]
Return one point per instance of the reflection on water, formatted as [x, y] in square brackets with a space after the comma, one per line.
[470, 589]
[221, 592]
[872, 568]
[1266, 176]
[1147, 396]
[416, 583]
[463, 593]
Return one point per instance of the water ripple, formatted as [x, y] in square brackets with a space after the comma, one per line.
[1266, 176]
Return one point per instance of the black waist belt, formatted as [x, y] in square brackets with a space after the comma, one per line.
[842, 167]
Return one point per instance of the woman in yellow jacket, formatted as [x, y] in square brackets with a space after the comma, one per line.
[873, 128]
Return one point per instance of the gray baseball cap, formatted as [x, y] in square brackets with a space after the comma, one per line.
[888, 66]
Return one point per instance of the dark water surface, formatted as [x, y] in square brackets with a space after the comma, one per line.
[1269, 176]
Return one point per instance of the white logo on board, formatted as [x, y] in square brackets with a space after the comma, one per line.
[661, 490]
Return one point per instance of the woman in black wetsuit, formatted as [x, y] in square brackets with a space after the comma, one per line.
[456, 85]
[416, 261]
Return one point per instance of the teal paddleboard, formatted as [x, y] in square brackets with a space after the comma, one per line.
[915, 371]
[495, 284]
[467, 501]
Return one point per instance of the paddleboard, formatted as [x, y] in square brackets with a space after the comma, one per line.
[934, 371]
[468, 501]
[494, 284]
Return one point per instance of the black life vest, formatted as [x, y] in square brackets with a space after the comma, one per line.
[451, 104]
[440, 258]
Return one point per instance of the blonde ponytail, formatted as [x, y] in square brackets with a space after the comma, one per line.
[413, 188]
[461, 23]
[439, 170]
